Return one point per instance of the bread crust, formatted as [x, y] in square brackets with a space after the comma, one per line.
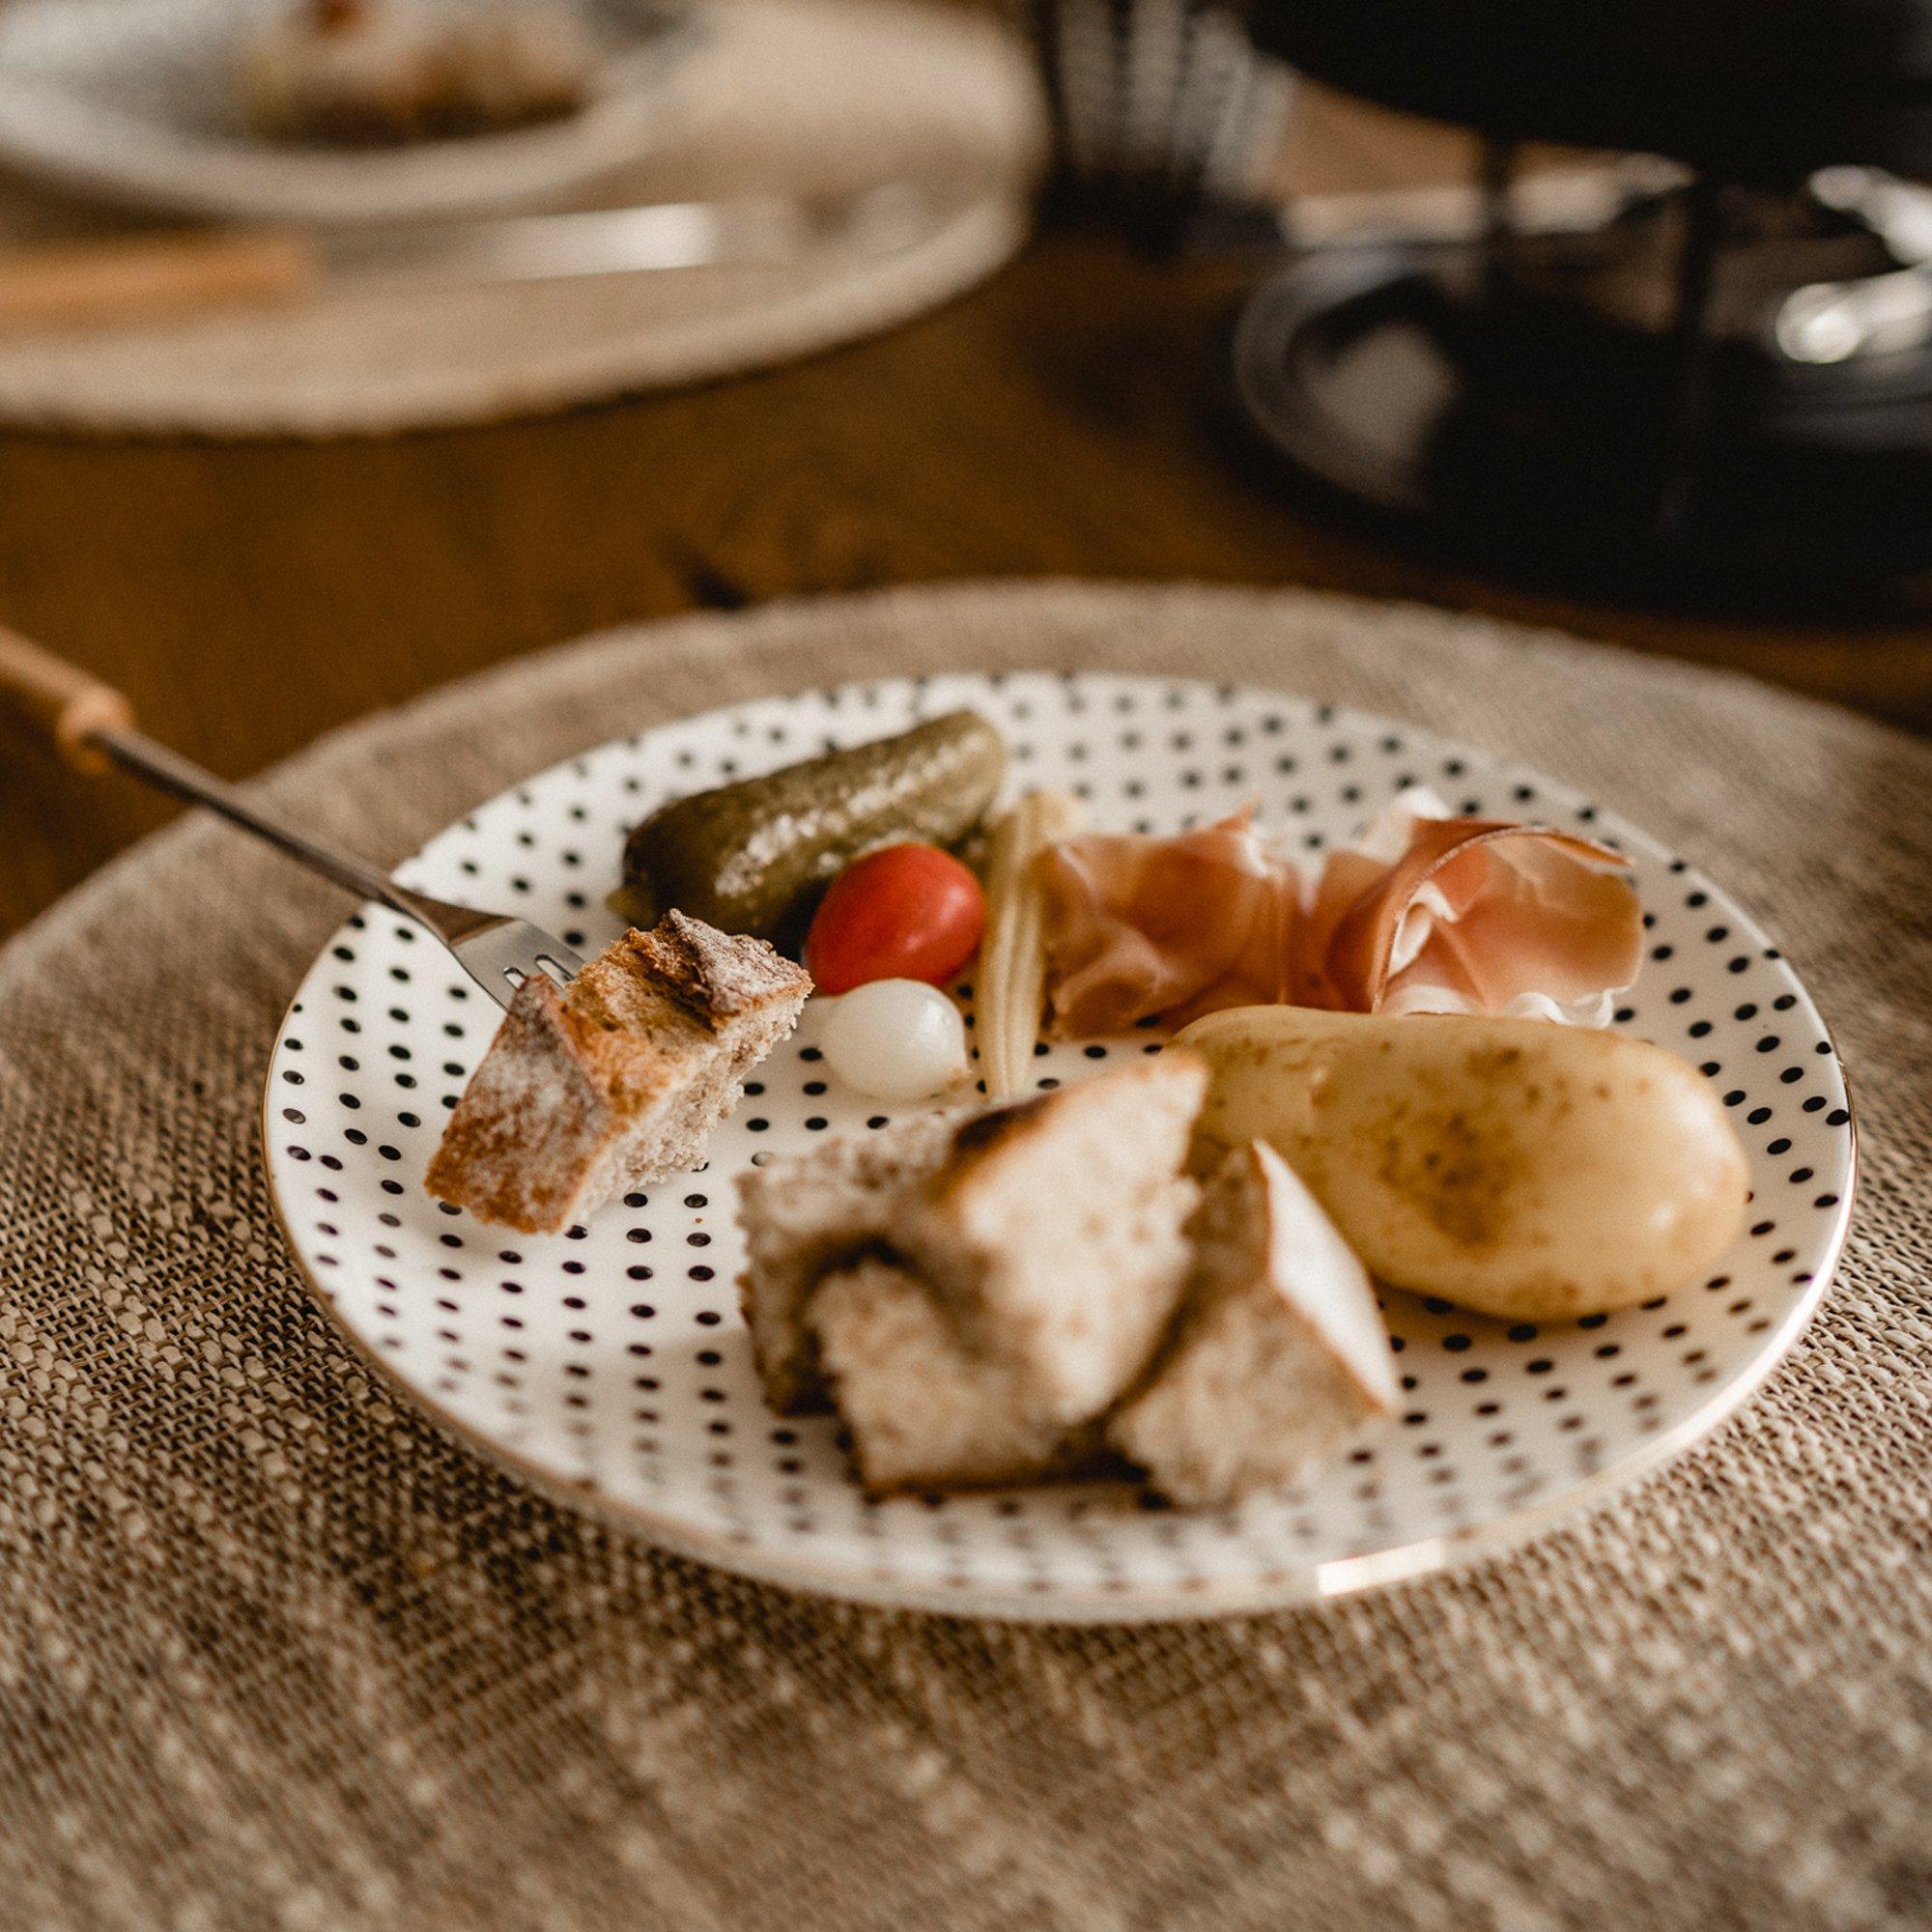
[616, 1081]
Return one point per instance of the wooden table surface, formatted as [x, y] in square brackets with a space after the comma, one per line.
[1064, 420]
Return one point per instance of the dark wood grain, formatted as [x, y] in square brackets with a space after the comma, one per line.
[1063, 419]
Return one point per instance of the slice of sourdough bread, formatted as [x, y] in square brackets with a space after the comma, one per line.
[807, 1215]
[1054, 1231]
[618, 1080]
[1279, 1347]
[922, 1410]
[999, 1279]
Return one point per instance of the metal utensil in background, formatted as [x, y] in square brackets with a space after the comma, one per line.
[144, 276]
[1877, 315]
[92, 726]
[1564, 201]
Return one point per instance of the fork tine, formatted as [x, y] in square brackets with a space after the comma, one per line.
[501, 954]
[498, 952]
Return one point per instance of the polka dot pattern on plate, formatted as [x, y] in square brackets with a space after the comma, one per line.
[609, 1363]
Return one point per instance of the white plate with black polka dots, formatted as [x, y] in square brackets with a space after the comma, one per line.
[610, 1366]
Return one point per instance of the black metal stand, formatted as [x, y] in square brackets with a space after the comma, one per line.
[1558, 431]
[1495, 174]
[1689, 409]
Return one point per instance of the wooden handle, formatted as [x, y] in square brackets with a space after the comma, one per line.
[59, 702]
[137, 278]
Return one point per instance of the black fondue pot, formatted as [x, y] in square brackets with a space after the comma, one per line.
[1723, 395]
[1764, 90]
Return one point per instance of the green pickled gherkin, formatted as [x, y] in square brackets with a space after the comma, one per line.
[755, 856]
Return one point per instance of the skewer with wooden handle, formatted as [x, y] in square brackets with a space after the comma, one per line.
[145, 277]
[61, 702]
[92, 726]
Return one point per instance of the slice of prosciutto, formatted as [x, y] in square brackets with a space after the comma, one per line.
[1434, 914]
[1140, 927]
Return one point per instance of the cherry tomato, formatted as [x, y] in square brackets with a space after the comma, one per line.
[906, 912]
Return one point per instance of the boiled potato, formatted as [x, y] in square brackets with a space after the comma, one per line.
[1518, 1167]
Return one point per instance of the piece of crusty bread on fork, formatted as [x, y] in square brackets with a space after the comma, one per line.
[617, 1079]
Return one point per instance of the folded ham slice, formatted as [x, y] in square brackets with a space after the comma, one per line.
[1140, 926]
[1434, 914]
[1426, 913]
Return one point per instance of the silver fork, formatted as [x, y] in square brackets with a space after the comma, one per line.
[92, 726]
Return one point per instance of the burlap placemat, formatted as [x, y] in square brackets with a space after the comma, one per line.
[808, 96]
[274, 1653]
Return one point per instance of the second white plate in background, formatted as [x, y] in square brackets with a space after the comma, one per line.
[136, 101]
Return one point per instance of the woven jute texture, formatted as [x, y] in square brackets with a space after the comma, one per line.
[783, 97]
[276, 1652]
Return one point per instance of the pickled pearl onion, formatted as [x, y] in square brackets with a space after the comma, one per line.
[893, 1039]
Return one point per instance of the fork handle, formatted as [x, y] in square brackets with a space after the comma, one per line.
[92, 726]
[61, 702]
